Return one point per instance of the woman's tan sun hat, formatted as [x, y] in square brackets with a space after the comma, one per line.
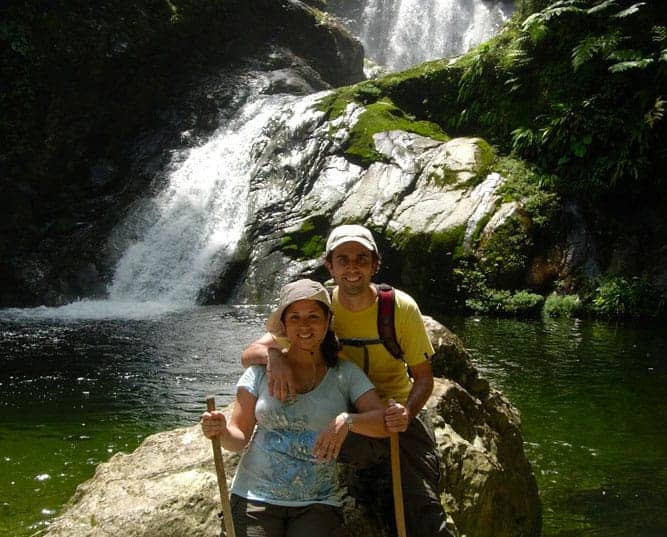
[292, 292]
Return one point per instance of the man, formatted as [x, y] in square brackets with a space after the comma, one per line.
[352, 259]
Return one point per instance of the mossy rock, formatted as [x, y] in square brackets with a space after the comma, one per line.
[384, 116]
[308, 241]
[380, 115]
[504, 254]
[425, 262]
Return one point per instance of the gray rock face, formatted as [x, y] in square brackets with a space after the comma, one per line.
[422, 185]
[167, 487]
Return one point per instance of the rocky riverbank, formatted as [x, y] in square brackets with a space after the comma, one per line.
[167, 486]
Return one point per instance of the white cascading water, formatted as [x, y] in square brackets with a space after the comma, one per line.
[198, 219]
[398, 34]
[191, 228]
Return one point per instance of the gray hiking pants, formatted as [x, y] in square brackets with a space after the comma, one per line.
[368, 478]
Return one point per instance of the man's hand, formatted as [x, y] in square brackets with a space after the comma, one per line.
[281, 382]
[396, 417]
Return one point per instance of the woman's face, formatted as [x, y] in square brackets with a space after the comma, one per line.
[306, 324]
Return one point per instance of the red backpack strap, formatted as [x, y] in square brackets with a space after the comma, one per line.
[385, 321]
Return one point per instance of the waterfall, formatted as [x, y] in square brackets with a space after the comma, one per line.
[190, 230]
[398, 34]
[179, 242]
[193, 225]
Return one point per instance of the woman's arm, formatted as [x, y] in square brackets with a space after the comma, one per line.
[368, 421]
[235, 435]
[369, 418]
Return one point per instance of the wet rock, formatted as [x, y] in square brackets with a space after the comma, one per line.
[167, 486]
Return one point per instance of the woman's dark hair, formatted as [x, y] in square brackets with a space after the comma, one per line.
[330, 344]
[330, 347]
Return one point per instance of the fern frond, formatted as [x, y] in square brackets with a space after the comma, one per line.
[592, 46]
[659, 34]
[656, 113]
[629, 11]
[625, 66]
[554, 10]
[584, 51]
[625, 55]
[601, 7]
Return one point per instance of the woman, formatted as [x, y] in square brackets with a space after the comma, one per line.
[285, 485]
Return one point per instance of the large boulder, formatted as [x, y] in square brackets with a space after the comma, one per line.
[167, 486]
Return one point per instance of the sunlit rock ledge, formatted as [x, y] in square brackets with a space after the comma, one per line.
[167, 486]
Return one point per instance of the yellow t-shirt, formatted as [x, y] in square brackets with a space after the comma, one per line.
[388, 374]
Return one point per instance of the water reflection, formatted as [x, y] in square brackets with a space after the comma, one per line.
[75, 391]
[591, 397]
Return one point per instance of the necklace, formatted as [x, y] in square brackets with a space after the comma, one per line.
[312, 380]
[315, 368]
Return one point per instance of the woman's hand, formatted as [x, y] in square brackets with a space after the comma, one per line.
[328, 442]
[396, 417]
[214, 424]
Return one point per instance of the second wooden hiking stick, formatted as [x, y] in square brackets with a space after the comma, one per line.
[222, 480]
[396, 484]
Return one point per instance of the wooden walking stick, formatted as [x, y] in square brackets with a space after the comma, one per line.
[222, 480]
[396, 484]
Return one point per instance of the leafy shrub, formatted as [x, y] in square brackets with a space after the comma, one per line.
[480, 298]
[563, 305]
[617, 297]
[504, 302]
[307, 242]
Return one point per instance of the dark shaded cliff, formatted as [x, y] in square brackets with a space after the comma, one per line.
[82, 83]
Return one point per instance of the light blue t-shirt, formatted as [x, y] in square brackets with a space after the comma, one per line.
[278, 466]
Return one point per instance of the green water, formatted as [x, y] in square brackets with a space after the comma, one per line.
[592, 399]
[591, 395]
[74, 392]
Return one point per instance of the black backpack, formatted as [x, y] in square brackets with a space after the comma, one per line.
[385, 325]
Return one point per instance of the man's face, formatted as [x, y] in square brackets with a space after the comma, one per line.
[352, 267]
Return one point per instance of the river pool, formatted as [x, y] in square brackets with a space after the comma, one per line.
[73, 392]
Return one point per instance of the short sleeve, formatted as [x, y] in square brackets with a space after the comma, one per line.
[251, 379]
[411, 331]
[357, 381]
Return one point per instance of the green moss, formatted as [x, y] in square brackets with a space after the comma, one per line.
[424, 263]
[522, 183]
[443, 176]
[447, 243]
[481, 224]
[505, 254]
[380, 115]
[307, 242]
[487, 154]
[383, 116]
[334, 104]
